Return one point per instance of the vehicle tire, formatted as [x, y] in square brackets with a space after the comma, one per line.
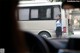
[44, 34]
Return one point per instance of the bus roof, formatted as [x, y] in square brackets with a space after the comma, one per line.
[32, 3]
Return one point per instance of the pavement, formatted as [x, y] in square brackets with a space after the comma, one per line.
[76, 34]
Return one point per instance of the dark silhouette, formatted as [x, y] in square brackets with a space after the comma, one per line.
[73, 44]
[11, 38]
[70, 5]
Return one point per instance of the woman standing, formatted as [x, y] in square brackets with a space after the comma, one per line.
[58, 27]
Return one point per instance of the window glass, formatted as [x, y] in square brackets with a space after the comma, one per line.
[48, 13]
[34, 13]
[42, 13]
[56, 12]
[23, 14]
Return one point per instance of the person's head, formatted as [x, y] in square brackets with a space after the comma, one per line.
[9, 28]
[70, 5]
[58, 16]
[7, 11]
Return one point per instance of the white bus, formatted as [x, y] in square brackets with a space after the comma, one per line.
[40, 18]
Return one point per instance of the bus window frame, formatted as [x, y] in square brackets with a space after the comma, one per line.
[37, 7]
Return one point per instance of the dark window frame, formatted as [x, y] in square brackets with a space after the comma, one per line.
[37, 7]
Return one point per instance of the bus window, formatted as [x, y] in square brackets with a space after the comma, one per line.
[24, 14]
[48, 13]
[56, 11]
[34, 13]
[40, 13]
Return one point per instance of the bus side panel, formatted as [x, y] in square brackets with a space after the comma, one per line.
[37, 26]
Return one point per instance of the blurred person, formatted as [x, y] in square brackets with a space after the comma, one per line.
[58, 27]
[11, 38]
[76, 22]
